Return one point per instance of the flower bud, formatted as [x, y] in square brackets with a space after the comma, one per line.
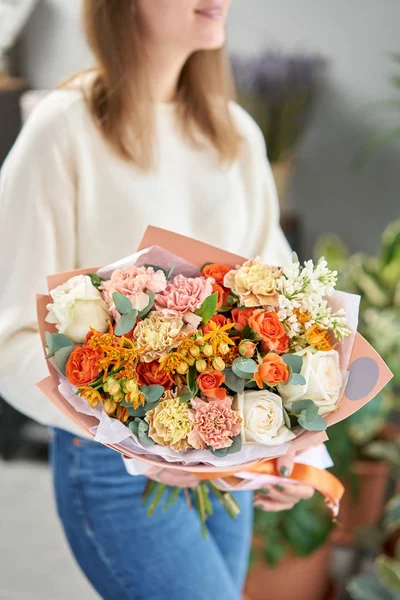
[223, 348]
[131, 386]
[119, 396]
[201, 365]
[110, 406]
[191, 360]
[122, 414]
[112, 386]
[194, 351]
[247, 348]
[218, 363]
[182, 368]
[208, 350]
[178, 380]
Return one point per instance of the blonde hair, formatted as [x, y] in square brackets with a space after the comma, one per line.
[118, 98]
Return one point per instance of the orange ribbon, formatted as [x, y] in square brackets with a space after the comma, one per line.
[323, 481]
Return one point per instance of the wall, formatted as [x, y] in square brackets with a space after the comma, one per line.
[355, 36]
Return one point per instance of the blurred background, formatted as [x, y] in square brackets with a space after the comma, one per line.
[323, 82]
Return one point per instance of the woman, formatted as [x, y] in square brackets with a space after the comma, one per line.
[148, 137]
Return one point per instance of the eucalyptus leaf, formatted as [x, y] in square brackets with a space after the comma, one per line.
[148, 308]
[137, 412]
[235, 447]
[152, 393]
[311, 412]
[122, 303]
[300, 405]
[294, 361]
[317, 424]
[297, 379]
[233, 382]
[62, 355]
[287, 419]
[245, 365]
[143, 435]
[134, 426]
[56, 341]
[126, 323]
[208, 308]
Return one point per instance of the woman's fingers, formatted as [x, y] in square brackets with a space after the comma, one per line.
[282, 497]
[285, 464]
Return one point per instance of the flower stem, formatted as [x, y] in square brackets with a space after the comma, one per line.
[227, 501]
[160, 490]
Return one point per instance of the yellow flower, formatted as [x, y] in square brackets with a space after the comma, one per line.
[218, 336]
[92, 396]
[111, 386]
[254, 283]
[110, 406]
[319, 338]
[169, 424]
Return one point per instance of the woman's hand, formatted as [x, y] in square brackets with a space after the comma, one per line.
[283, 496]
[172, 477]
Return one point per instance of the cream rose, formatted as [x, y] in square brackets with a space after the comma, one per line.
[77, 306]
[324, 380]
[263, 420]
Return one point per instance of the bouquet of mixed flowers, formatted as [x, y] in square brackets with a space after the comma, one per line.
[205, 366]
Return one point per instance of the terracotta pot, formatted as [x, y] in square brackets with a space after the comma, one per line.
[366, 509]
[300, 578]
[283, 171]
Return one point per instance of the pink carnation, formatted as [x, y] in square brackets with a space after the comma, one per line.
[214, 424]
[133, 282]
[183, 297]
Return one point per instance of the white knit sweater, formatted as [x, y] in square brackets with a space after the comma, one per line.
[67, 201]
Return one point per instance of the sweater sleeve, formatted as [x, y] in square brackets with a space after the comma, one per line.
[37, 238]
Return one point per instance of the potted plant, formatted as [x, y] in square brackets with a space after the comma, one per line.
[365, 447]
[384, 582]
[296, 543]
[279, 91]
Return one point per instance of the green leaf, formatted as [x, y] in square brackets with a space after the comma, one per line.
[287, 419]
[391, 521]
[185, 397]
[388, 570]
[126, 323]
[143, 435]
[294, 361]
[301, 405]
[368, 587]
[56, 341]
[96, 280]
[317, 424]
[245, 365]
[208, 308]
[62, 355]
[247, 333]
[233, 382]
[122, 303]
[235, 447]
[152, 393]
[148, 308]
[136, 412]
[192, 381]
[297, 379]
[134, 426]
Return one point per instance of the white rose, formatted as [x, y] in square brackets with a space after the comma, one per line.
[77, 306]
[324, 380]
[263, 419]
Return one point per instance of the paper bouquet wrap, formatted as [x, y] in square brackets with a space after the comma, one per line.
[214, 371]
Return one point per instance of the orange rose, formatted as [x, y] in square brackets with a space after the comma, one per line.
[269, 328]
[82, 366]
[151, 374]
[217, 272]
[220, 320]
[240, 317]
[223, 295]
[209, 383]
[272, 371]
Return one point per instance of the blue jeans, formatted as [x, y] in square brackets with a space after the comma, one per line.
[127, 555]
